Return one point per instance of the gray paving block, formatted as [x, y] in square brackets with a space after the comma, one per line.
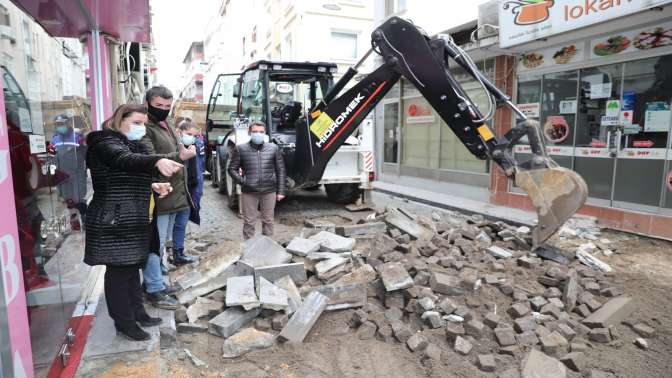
[342, 296]
[302, 247]
[247, 340]
[271, 297]
[446, 284]
[240, 292]
[361, 229]
[231, 320]
[499, 252]
[537, 364]
[264, 251]
[395, 277]
[363, 274]
[328, 268]
[611, 313]
[304, 318]
[203, 307]
[294, 299]
[297, 271]
[333, 243]
[405, 224]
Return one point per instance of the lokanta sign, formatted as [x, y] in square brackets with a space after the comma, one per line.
[527, 20]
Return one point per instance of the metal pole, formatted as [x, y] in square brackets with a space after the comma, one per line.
[97, 75]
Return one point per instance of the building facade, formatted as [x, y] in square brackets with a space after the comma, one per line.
[193, 73]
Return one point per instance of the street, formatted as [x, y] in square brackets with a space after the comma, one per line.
[334, 348]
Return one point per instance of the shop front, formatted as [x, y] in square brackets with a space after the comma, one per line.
[600, 85]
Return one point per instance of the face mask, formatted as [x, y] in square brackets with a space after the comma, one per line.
[62, 129]
[158, 114]
[188, 140]
[136, 132]
[257, 138]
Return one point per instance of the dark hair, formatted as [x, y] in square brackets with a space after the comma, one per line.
[121, 113]
[256, 123]
[158, 91]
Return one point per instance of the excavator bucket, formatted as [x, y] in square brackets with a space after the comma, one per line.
[556, 193]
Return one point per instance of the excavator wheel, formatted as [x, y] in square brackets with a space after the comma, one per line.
[343, 194]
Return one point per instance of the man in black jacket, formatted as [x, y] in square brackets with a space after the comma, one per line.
[259, 169]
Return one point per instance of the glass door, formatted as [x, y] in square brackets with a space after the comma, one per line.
[598, 130]
[646, 118]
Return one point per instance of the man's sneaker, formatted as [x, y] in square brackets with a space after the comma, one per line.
[162, 300]
[172, 289]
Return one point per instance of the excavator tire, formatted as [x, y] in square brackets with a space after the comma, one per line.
[220, 166]
[343, 194]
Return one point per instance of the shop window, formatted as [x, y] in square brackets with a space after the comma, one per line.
[529, 95]
[420, 129]
[391, 127]
[598, 86]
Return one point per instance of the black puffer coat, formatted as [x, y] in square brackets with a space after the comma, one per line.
[263, 168]
[117, 221]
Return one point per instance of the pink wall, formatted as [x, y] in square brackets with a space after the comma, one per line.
[10, 262]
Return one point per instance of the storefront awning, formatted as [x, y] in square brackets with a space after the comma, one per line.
[127, 20]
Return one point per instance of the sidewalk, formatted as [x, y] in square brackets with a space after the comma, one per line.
[461, 204]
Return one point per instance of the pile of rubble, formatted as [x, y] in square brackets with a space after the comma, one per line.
[466, 284]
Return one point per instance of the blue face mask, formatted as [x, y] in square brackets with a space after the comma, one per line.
[188, 140]
[257, 138]
[136, 132]
[62, 129]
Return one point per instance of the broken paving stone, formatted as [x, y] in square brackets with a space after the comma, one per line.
[231, 320]
[366, 331]
[548, 281]
[509, 373]
[527, 262]
[641, 343]
[240, 292]
[589, 260]
[361, 229]
[446, 284]
[582, 310]
[333, 243]
[302, 247]
[401, 331]
[644, 330]
[304, 318]
[491, 320]
[552, 292]
[433, 319]
[417, 342]
[505, 336]
[342, 296]
[245, 341]
[363, 274]
[203, 307]
[575, 361]
[194, 360]
[537, 364]
[511, 350]
[554, 344]
[293, 295]
[426, 303]
[527, 338]
[518, 310]
[384, 333]
[329, 267]
[566, 331]
[462, 346]
[272, 273]
[474, 328]
[396, 219]
[578, 347]
[571, 292]
[272, 297]
[486, 362]
[557, 303]
[453, 330]
[421, 278]
[191, 328]
[447, 306]
[611, 313]
[395, 277]
[525, 324]
[537, 303]
[593, 304]
[599, 335]
[394, 314]
[611, 292]
[499, 252]
[463, 312]
[395, 299]
[264, 251]
[262, 324]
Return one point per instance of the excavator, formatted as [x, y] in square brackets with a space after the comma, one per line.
[408, 51]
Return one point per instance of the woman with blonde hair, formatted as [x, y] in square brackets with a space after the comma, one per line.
[118, 223]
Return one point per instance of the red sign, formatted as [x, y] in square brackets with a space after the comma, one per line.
[598, 143]
[642, 143]
[413, 110]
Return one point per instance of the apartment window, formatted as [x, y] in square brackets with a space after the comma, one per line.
[344, 45]
[4, 16]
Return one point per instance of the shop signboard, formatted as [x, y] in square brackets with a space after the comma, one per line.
[528, 20]
[613, 108]
[610, 121]
[38, 144]
[600, 90]
[530, 109]
[568, 107]
[643, 143]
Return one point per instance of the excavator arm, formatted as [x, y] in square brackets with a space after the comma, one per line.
[557, 193]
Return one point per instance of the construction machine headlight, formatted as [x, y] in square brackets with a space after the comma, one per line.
[263, 66]
[277, 67]
[321, 69]
[333, 69]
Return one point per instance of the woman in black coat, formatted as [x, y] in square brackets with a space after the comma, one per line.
[118, 223]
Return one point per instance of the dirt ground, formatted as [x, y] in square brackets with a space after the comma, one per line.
[641, 268]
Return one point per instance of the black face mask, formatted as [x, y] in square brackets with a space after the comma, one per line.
[158, 114]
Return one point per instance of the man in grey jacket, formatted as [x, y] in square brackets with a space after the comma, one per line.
[259, 169]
